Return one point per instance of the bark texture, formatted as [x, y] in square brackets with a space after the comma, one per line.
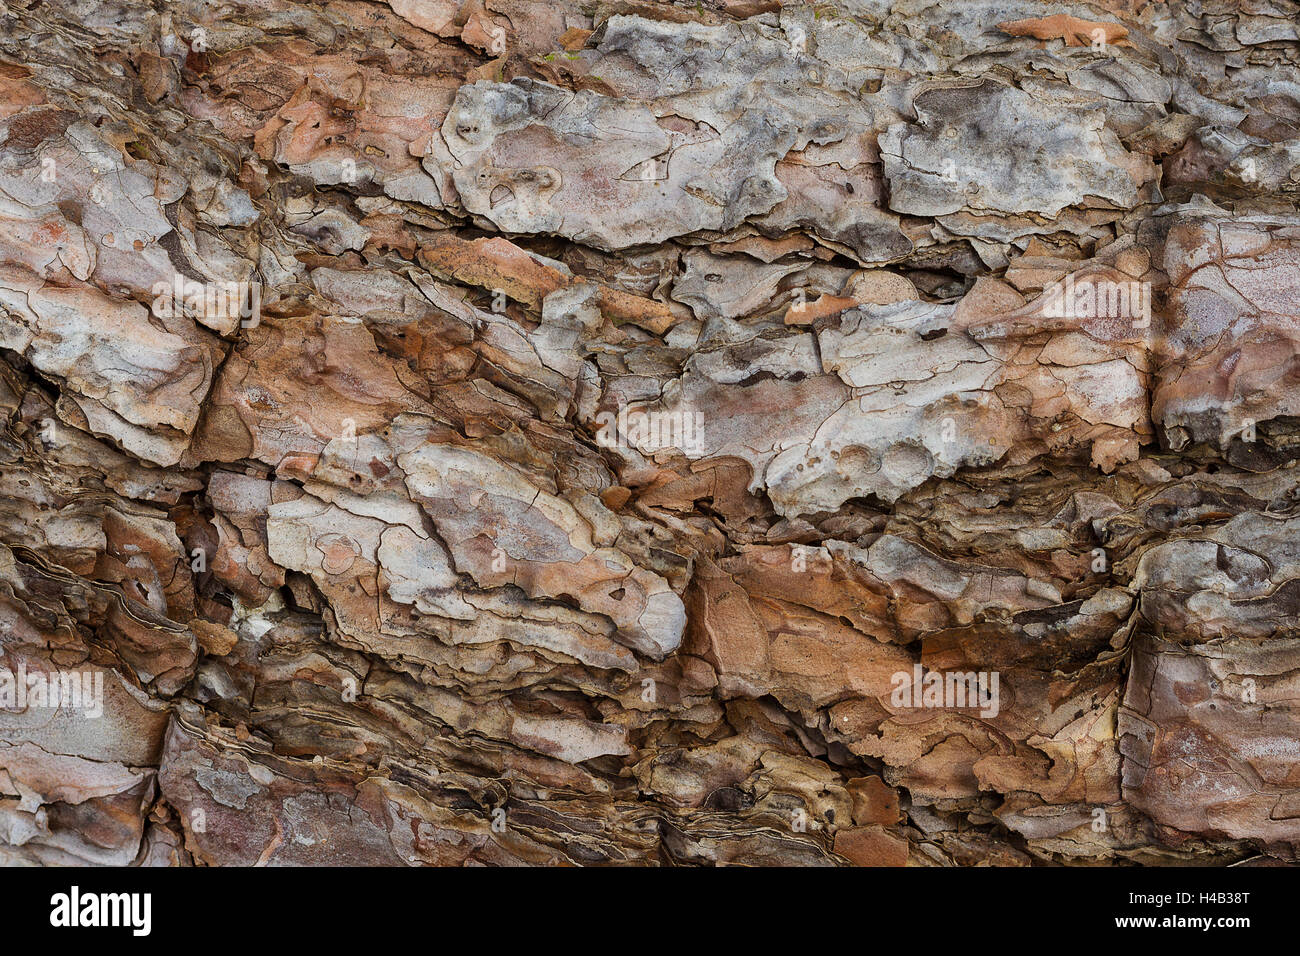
[633, 412]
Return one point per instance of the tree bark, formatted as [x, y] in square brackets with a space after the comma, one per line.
[612, 432]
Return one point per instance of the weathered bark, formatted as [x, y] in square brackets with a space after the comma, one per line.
[618, 407]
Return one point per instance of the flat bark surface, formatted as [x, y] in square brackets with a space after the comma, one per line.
[498, 432]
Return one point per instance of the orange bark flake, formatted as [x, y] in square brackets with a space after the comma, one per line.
[1073, 30]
